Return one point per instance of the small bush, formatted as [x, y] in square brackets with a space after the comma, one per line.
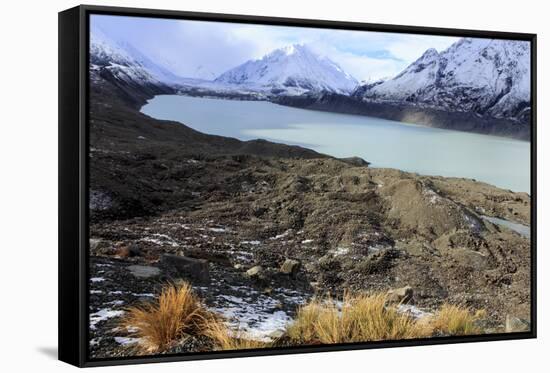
[360, 318]
[455, 320]
[176, 313]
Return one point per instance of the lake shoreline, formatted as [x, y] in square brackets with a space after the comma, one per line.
[342, 104]
[497, 160]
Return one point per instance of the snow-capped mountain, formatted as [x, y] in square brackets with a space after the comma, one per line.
[292, 69]
[119, 59]
[127, 63]
[487, 77]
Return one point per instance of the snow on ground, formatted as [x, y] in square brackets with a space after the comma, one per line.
[279, 236]
[257, 316]
[250, 242]
[126, 340]
[219, 229]
[102, 315]
[340, 250]
[413, 311]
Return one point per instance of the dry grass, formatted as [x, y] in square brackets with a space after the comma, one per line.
[361, 318]
[179, 313]
[225, 338]
[455, 320]
[176, 313]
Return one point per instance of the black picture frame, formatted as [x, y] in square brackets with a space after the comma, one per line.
[73, 182]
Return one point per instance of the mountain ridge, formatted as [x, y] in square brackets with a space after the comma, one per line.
[291, 69]
[483, 76]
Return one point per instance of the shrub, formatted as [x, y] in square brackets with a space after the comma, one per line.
[360, 318]
[176, 313]
[455, 320]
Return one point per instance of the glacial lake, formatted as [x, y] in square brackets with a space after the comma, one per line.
[430, 151]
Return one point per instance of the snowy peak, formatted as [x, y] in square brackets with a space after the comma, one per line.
[483, 76]
[124, 61]
[294, 68]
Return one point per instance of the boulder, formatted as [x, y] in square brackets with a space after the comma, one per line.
[290, 267]
[400, 295]
[130, 251]
[515, 325]
[196, 269]
[144, 271]
[255, 272]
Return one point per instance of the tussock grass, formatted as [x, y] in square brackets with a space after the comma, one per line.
[361, 318]
[455, 320]
[225, 338]
[177, 312]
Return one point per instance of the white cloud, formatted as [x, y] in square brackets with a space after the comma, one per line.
[410, 47]
[207, 49]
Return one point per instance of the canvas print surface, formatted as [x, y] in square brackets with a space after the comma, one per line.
[257, 186]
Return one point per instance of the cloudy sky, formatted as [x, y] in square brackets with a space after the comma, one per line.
[207, 49]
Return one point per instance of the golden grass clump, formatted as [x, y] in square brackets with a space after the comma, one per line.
[361, 318]
[225, 338]
[176, 313]
[179, 313]
[455, 320]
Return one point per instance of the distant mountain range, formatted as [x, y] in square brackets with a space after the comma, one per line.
[474, 78]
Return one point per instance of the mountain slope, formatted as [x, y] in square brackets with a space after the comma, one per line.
[125, 67]
[119, 59]
[293, 68]
[481, 76]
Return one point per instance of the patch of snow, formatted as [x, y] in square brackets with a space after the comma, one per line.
[116, 302]
[102, 315]
[242, 255]
[282, 235]
[97, 279]
[161, 239]
[433, 197]
[143, 295]
[375, 248]
[250, 242]
[413, 311]
[126, 340]
[219, 230]
[340, 250]
[256, 316]
[307, 241]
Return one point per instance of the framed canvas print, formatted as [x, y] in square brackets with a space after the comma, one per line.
[233, 186]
